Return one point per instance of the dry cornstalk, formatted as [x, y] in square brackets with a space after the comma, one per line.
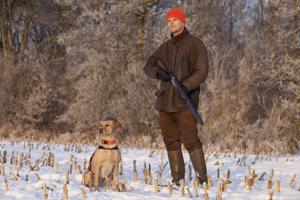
[262, 176]
[12, 158]
[50, 159]
[254, 175]
[161, 160]
[18, 170]
[135, 173]
[6, 184]
[219, 189]
[182, 187]
[270, 182]
[83, 193]
[270, 157]
[36, 167]
[189, 191]
[293, 181]
[57, 167]
[162, 168]
[84, 164]
[249, 182]
[75, 162]
[272, 172]
[223, 185]
[195, 187]
[210, 182]
[278, 185]
[197, 182]
[205, 195]
[150, 174]
[145, 173]
[71, 168]
[156, 187]
[31, 166]
[45, 191]
[65, 189]
[271, 194]
[4, 157]
[78, 169]
[2, 170]
[249, 170]
[15, 178]
[71, 158]
[151, 153]
[37, 176]
[190, 172]
[67, 177]
[227, 180]
[170, 187]
[228, 174]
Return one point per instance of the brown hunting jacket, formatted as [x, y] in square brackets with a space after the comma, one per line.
[186, 57]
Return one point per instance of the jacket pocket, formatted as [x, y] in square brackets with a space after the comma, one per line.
[179, 102]
[159, 104]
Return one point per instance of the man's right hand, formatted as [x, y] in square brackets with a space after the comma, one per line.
[163, 75]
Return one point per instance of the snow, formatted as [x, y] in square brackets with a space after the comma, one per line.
[285, 166]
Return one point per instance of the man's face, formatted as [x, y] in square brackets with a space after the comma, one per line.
[175, 25]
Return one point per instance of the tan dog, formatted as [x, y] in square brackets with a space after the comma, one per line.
[105, 161]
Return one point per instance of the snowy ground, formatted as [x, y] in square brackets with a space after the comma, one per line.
[284, 169]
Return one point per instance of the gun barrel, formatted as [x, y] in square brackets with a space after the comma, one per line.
[187, 99]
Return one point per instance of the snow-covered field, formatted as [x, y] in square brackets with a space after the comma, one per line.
[28, 185]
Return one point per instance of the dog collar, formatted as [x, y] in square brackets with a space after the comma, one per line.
[114, 148]
[108, 141]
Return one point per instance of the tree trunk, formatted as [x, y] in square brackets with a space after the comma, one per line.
[6, 27]
[24, 36]
[271, 27]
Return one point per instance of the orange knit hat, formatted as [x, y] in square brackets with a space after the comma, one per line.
[177, 13]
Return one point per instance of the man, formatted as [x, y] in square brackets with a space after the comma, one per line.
[186, 57]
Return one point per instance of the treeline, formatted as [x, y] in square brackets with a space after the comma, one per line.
[67, 63]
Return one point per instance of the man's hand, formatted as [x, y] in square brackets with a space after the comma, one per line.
[163, 75]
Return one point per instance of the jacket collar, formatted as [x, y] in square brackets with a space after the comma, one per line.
[176, 39]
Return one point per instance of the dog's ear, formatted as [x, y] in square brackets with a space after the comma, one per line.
[99, 124]
[119, 130]
[117, 126]
[109, 123]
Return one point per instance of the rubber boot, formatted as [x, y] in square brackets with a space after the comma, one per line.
[176, 165]
[198, 161]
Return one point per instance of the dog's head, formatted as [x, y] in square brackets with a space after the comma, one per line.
[109, 129]
[105, 127]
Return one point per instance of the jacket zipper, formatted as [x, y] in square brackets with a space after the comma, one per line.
[174, 70]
